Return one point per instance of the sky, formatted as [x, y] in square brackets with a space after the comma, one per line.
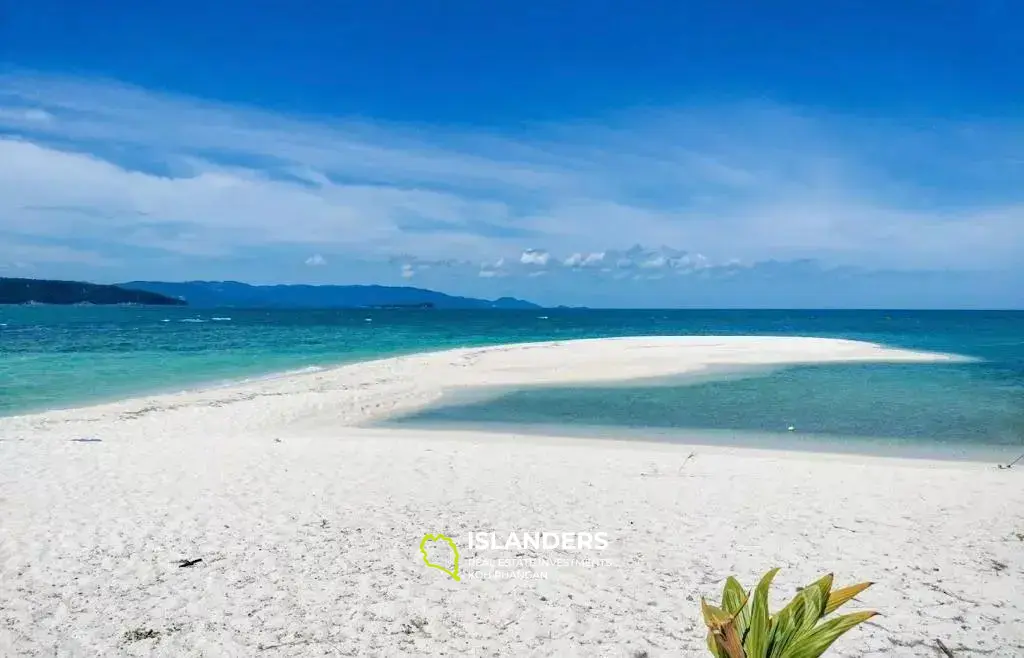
[592, 152]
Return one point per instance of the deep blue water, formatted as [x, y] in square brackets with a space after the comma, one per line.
[64, 356]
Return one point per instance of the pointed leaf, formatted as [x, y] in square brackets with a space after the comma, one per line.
[734, 600]
[815, 642]
[758, 632]
[825, 585]
[841, 596]
[799, 616]
[714, 616]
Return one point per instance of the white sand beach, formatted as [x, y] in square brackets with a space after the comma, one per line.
[308, 524]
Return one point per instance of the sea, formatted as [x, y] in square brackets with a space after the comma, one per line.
[58, 357]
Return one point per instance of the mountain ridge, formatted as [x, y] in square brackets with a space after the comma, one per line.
[235, 294]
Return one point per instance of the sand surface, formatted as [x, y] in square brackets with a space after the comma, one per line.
[309, 526]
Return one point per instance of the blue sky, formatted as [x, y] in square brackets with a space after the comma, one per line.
[600, 153]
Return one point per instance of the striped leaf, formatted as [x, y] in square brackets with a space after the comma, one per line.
[824, 584]
[734, 600]
[815, 642]
[841, 596]
[799, 616]
[758, 632]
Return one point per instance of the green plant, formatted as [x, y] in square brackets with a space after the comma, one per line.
[743, 628]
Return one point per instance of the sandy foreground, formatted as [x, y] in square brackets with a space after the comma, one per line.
[308, 526]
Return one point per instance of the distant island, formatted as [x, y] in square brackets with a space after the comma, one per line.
[40, 291]
[232, 294]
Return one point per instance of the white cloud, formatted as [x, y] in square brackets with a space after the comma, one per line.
[654, 262]
[661, 258]
[121, 169]
[584, 260]
[316, 260]
[408, 271]
[636, 257]
[536, 257]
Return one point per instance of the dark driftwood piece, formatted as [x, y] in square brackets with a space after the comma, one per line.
[1010, 465]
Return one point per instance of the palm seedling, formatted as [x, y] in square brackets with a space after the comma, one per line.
[743, 628]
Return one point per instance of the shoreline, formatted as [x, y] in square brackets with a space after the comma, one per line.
[266, 519]
[859, 448]
[410, 383]
[689, 441]
[826, 351]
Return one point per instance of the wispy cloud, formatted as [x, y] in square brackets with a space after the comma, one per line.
[104, 169]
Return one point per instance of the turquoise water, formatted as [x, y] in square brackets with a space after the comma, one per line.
[53, 357]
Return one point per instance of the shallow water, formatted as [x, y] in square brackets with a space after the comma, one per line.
[920, 410]
[54, 357]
